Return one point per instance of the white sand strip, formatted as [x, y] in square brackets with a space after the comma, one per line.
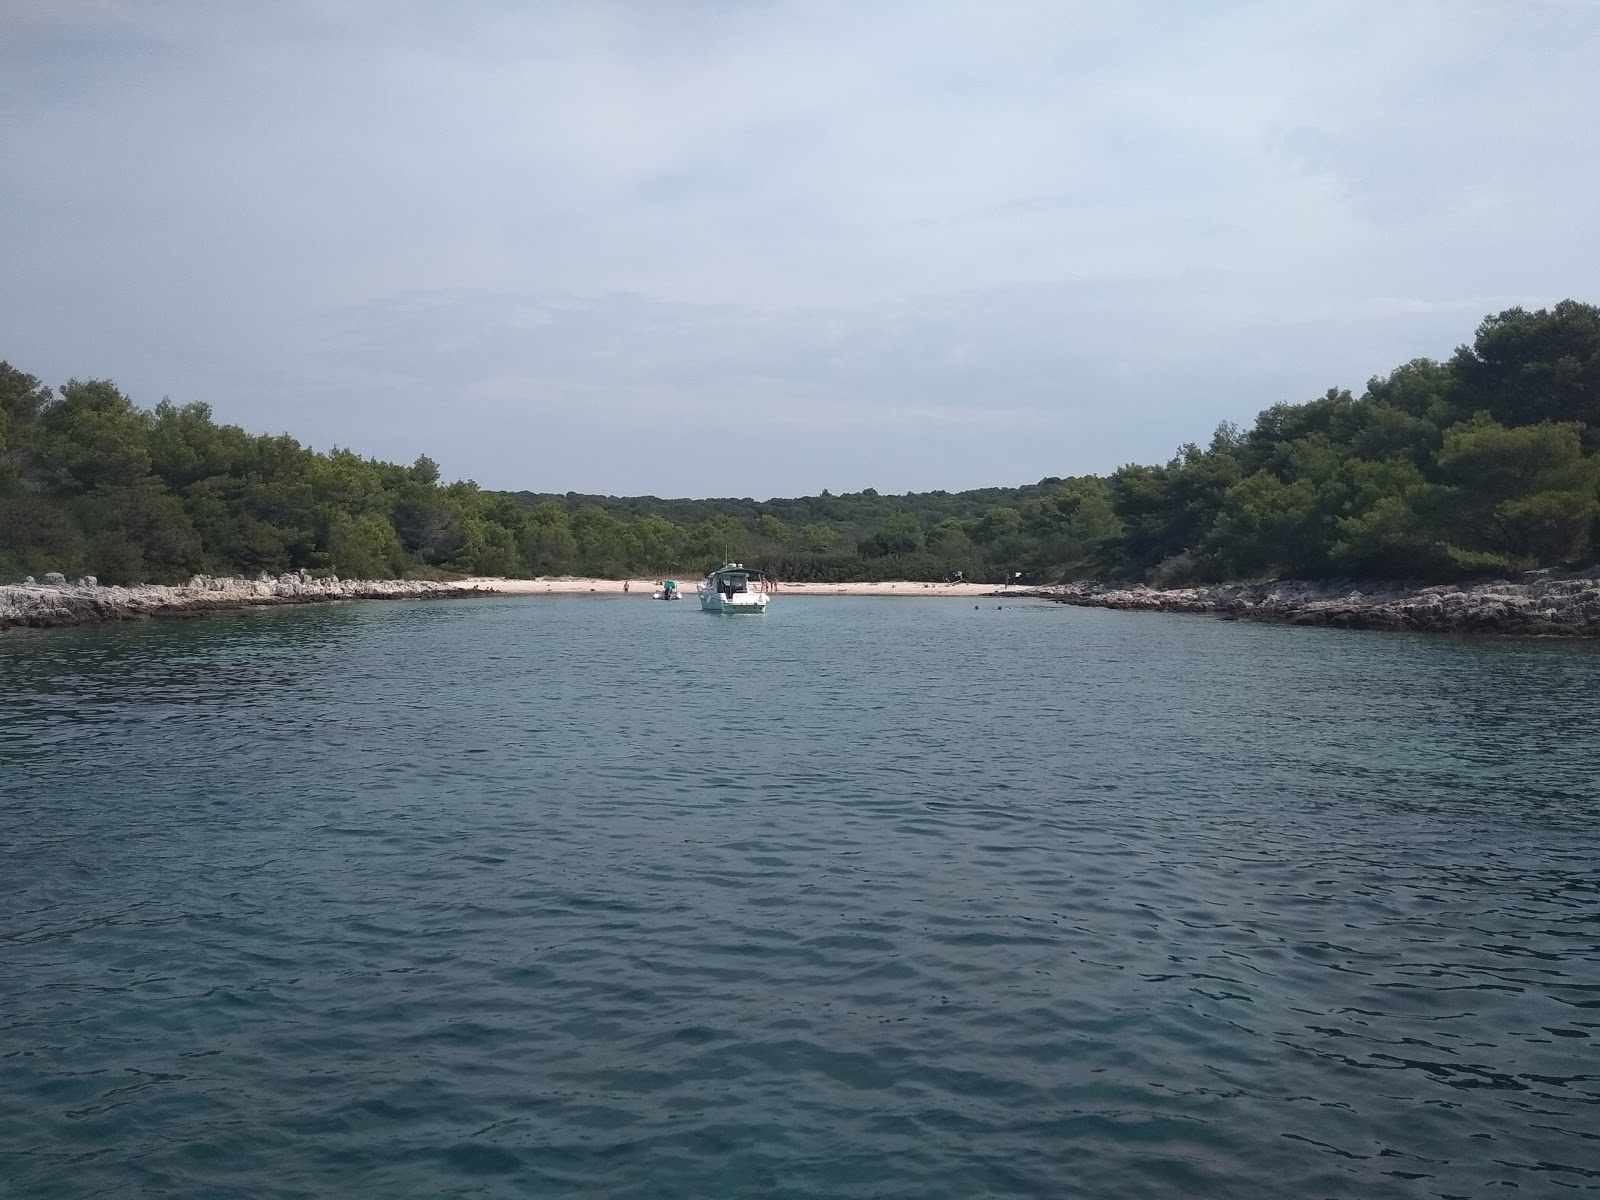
[572, 585]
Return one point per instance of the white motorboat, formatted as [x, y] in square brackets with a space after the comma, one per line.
[734, 588]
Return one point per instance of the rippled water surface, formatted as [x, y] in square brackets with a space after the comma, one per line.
[593, 896]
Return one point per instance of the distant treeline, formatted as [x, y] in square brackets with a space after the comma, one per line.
[1487, 463]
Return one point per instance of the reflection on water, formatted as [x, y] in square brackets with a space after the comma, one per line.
[591, 896]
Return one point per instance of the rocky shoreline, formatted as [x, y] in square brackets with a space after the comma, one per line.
[1544, 605]
[56, 602]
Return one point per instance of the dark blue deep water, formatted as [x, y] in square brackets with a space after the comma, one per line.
[599, 897]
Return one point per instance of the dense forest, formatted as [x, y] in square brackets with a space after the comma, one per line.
[1485, 464]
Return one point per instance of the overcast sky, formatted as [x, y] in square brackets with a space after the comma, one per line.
[762, 248]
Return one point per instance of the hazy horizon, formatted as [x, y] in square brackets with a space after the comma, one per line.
[696, 249]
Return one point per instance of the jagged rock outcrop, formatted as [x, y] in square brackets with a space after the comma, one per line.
[1545, 605]
[56, 602]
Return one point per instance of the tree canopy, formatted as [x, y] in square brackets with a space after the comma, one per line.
[1486, 463]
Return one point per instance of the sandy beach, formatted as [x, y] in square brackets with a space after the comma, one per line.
[643, 587]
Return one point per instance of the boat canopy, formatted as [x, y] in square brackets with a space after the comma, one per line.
[737, 569]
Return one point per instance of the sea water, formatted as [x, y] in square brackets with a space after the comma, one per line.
[601, 897]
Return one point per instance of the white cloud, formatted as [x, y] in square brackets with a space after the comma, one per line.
[1017, 238]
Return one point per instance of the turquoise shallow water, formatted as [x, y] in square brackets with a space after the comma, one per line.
[594, 897]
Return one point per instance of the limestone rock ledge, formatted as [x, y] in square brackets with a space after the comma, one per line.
[1544, 605]
[85, 602]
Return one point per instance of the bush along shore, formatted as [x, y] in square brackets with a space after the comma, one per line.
[1543, 604]
[56, 602]
[1482, 466]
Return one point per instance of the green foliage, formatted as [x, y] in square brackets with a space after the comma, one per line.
[1525, 368]
[774, 530]
[1487, 462]
[1075, 530]
[658, 543]
[364, 547]
[1388, 526]
[900, 534]
[487, 548]
[716, 540]
[1527, 495]
[1167, 511]
[546, 542]
[819, 537]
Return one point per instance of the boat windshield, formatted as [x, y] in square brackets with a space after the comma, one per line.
[731, 580]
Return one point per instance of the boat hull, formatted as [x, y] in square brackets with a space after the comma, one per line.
[739, 602]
